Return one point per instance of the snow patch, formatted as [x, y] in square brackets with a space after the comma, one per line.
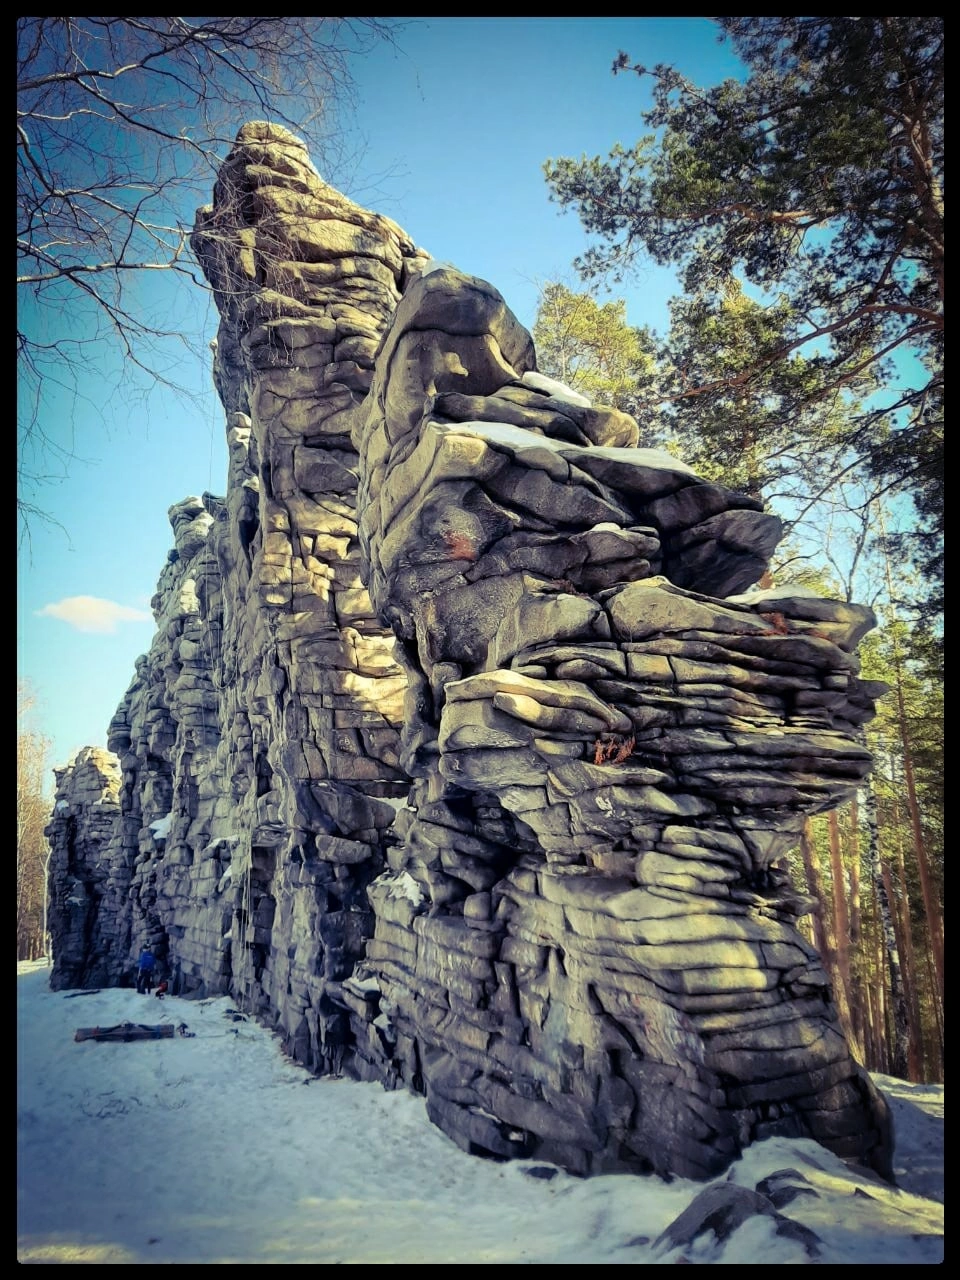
[437, 266]
[161, 828]
[361, 986]
[404, 886]
[559, 390]
[522, 441]
[396, 803]
[776, 593]
[223, 845]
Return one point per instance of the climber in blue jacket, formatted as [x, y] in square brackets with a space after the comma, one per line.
[146, 967]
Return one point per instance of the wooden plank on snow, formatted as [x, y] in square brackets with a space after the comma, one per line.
[128, 1031]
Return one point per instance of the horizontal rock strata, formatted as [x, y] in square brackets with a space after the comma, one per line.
[466, 755]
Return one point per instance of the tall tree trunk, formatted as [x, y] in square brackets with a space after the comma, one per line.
[873, 1038]
[841, 933]
[811, 869]
[900, 1049]
[937, 1072]
[914, 1033]
[889, 1035]
[47, 950]
[903, 926]
[911, 975]
[856, 928]
[930, 905]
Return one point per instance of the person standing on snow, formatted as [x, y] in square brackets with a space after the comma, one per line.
[146, 968]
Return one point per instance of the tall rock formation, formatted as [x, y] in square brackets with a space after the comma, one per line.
[464, 756]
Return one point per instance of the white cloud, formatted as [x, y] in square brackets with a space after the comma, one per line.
[90, 613]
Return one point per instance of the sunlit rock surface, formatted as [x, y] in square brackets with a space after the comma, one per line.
[466, 754]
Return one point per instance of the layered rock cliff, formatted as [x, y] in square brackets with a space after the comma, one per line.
[464, 755]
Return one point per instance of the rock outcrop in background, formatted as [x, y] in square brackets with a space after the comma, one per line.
[464, 756]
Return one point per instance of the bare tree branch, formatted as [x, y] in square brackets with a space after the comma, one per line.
[121, 124]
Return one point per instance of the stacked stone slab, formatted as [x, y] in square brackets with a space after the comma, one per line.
[85, 897]
[591, 956]
[465, 755]
[305, 282]
[259, 740]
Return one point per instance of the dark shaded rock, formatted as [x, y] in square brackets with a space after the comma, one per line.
[722, 1208]
[785, 1185]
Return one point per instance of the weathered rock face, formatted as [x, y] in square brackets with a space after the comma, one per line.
[87, 885]
[460, 755]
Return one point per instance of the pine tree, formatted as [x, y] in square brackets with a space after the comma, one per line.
[590, 346]
[818, 178]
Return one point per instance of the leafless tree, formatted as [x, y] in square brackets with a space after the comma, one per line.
[33, 853]
[120, 125]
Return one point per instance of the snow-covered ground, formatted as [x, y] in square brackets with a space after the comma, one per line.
[213, 1148]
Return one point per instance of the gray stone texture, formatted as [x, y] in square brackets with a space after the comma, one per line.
[464, 756]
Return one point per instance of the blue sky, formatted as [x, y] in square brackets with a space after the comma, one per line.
[452, 127]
